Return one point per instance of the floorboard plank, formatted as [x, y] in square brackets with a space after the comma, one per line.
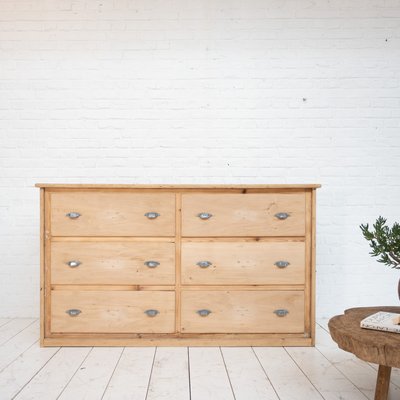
[286, 377]
[328, 380]
[395, 376]
[55, 375]
[12, 328]
[170, 375]
[208, 376]
[20, 372]
[357, 371]
[246, 375]
[130, 379]
[24, 339]
[92, 377]
[4, 321]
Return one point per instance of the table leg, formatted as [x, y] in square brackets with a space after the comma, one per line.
[382, 382]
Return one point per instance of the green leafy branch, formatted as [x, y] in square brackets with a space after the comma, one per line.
[384, 242]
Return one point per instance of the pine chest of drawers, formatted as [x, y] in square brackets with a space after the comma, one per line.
[183, 265]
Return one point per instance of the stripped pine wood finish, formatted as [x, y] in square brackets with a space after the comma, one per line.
[113, 263]
[112, 214]
[113, 311]
[245, 373]
[125, 265]
[251, 263]
[243, 214]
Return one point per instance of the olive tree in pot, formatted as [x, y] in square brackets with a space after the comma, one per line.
[384, 242]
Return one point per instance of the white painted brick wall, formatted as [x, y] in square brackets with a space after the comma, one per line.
[229, 91]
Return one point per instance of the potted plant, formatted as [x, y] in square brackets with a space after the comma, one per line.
[384, 242]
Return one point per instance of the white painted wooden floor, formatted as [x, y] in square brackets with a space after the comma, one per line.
[241, 373]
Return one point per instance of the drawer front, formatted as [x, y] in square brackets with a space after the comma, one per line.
[113, 263]
[259, 214]
[112, 214]
[242, 311]
[112, 311]
[229, 263]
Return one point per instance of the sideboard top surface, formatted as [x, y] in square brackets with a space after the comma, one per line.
[178, 186]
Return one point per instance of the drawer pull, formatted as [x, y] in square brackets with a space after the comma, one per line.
[152, 264]
[152, 215]
[152, 313]
[281, 312]
[281, 215]
[204, 264]
[74, 263]
[204, 215]
[204, 313]
[73, 312]
[73, 215]
[282, 264]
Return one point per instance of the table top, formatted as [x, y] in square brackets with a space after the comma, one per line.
[373, 346]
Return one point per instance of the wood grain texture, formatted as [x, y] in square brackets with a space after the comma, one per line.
[46, 318]
[178, 261]
[383, 382]
[361, 373]
[242, 311]
[175, 186]
[113, 311]
[112, 239]
[112, 214]
[42, 263]
[308, 269]
[243, 263]
[373, 346]
[197, 341]
[113, 263]
[243, 214]
[313, 264]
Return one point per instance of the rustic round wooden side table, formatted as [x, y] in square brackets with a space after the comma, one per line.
[377, 347]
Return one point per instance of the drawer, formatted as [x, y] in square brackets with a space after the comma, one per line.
[230, 263]
[112, 214]
[258, 214]
[242, 311]
[114, 263]
[112, 311]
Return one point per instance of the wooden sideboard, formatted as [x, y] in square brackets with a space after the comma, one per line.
[177, 265]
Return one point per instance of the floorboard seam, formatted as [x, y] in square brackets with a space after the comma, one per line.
[151, 373]
[32, 377]
[113, 372]
[265, 372]
[227, 373]
[298, 366]
[69, 381]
